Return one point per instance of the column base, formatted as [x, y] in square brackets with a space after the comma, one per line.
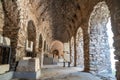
[27, 75]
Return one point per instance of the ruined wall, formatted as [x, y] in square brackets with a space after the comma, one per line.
[17, 15]
[25, 15]
[99, 46]
[39, 12]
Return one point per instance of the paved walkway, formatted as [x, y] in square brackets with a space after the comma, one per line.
[52, 72]
[67, 73]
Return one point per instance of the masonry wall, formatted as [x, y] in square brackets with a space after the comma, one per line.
[1, 18]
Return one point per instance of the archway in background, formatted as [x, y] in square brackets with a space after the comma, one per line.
[31, 32]
[99, 41]
[79, 48]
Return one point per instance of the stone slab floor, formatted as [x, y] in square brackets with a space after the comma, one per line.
[50, 72]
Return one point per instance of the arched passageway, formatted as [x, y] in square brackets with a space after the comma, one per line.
[31, 32]
[100, 61]
[79, 48]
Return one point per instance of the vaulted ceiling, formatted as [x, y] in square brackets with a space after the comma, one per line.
[64, 16]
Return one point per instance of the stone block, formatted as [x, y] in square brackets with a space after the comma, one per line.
[28, 69]
[1, 39]
[6, 41]
[7, 75]
[26, 58]
[4, 68]
[61, 60]
[30, 65]
[48, 61]
[27, 75]
[66, 57]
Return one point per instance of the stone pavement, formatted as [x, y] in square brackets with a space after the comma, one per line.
[64, 73]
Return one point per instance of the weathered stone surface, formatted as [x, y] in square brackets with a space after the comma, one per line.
[59, 20]
[66, 57]
[1, 18]
[118, 70]
[30, 65]
[99, 46]
[4, 68]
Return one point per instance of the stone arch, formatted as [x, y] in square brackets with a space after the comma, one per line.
[57, 45]
[99, 46]
[31, 34]
[55, 53]
[79, 48]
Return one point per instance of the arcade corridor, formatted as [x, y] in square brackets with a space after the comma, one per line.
[60, 39]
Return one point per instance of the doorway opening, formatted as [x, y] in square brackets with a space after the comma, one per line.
[31, 42]
[79, 48]
[101, 42]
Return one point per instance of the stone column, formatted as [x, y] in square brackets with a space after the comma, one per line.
[75, 52]
[70, 51]
[115, 20]
[42, 55]
[86, 50]
[116, 31]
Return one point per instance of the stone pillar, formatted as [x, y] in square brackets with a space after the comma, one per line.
[75, 52]
[117, 55]
[86, 50]
[115, 20]
[70, 51]
[42, 56]
[28, 69]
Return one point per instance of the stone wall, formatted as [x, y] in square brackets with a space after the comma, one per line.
[1, 18]
[10, 28]
[116, 30]
[52, 19]
[25, 15]
[99, 46]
